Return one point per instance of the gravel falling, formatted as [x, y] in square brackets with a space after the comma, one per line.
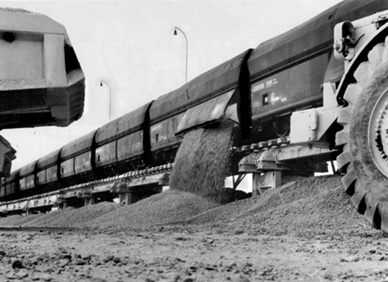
[202, 162]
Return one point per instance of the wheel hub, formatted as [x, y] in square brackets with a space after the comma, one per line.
[378, 133]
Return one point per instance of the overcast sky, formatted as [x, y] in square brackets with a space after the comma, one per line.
[130, 45]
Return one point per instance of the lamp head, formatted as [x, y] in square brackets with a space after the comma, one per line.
[175, 32]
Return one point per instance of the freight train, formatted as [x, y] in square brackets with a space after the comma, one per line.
[295, 88]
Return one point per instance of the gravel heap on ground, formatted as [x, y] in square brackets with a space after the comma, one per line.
[309, 204]
[318, 204]
[168, 207]
[70, 216]
[16, 220]
[15, 10]
[202, 162]
[60, 218]
[42, 219]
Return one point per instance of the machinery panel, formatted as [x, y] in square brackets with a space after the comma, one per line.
[42, 80]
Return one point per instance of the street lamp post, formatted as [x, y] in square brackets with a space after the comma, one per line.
[102, 82]
[187, 48]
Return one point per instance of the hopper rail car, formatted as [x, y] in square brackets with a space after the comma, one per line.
[296, 103]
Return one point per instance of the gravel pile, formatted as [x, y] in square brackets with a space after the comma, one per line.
[47, 219]
[60, 218]
[16, 220]
[167, 207]
[71, 217]
[318, 204]
[202, 162]
[8, 220]
[15, 10]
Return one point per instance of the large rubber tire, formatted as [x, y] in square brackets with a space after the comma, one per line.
[364, 138]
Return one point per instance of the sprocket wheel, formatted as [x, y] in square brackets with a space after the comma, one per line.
[364, 138]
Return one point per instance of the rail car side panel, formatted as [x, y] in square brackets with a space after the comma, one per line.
[107, 132]
[78, 146]
[130, 146]
[27, 176]
[12, 184]
[52, 174]
[67, 168]
[2, 190]
[41, 177]
[46, 166]
[11, 188]
[22, 184]
[30, 182]
[134, 120]
[83, 163]
[163, 133]
[77, 156]
[292, 88]
[106, 154]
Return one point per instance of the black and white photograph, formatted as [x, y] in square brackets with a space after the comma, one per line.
[194, 141]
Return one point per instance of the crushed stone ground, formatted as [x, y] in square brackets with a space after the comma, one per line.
[305, 230]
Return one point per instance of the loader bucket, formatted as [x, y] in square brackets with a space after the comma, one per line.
[41, 81]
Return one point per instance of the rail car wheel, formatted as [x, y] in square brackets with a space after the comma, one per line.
[365, 138]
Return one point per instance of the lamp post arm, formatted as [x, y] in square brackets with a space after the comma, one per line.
[187, 50]
[110, 97]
